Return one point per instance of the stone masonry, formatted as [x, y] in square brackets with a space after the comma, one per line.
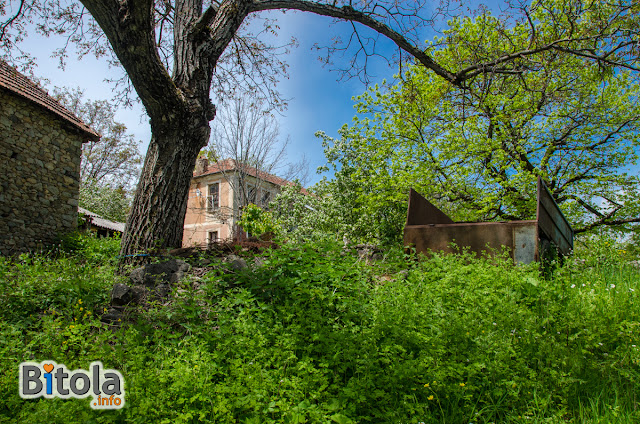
[40, 155]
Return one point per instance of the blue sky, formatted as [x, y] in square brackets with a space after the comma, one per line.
[317, 100]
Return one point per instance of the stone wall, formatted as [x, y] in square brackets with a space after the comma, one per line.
[39, 175]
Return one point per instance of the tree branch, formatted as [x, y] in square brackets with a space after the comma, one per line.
[350, 14]
[205, 20]
[129, 26]
[10, 21]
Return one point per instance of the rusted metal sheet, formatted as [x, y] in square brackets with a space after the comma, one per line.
[479, 237]
[552, 223]
[422, 212]
[430, 229]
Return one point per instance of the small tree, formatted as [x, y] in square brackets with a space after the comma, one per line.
[110, 202]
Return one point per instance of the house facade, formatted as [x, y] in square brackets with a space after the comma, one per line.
[217, 194]
[40, 153]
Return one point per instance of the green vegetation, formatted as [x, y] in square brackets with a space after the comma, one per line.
[477, 150]
[316, 335]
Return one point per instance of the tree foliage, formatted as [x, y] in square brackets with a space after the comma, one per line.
[478, 150]
[110, 202]
[113, 160]
[110, 166]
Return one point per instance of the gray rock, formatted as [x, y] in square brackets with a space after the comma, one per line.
[162, 291]
[150, 275]
[113, 315]
[139, 293]
[237, 263]
[176, 276]
[137, 276]
[121, 295]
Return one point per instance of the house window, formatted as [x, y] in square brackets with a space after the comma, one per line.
[213, 199]
[265, 198]
[213, 237]
[251, 194]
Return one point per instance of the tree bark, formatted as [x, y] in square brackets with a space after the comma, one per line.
[158, 211]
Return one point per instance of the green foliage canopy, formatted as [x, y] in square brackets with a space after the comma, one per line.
[477, 151]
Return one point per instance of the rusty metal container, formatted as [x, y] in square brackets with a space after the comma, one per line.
[430, 229]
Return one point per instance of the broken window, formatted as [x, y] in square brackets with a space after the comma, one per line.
[213, 199]
[252, 193]
[265, 198]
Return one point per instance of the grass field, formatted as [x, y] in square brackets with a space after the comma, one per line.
[315, 335]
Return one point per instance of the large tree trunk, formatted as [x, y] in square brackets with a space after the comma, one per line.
[157, 215]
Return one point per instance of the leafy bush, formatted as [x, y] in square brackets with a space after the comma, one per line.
[311, 334]
[257, 221]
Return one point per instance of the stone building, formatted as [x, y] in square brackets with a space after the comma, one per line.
[40, 152]
[216, 195]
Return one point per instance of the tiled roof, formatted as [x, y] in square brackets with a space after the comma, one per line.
[228, 165]
[17, 83]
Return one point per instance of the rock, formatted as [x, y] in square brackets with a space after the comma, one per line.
[121, 295]
[162, 291]
[237, 263]
[150, 275]
[113, 315]
[176, 276]
[138, 294]
[137, 276]
[258, 262]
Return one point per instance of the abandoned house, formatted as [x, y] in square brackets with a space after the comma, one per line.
[217, 194]
[40, 151]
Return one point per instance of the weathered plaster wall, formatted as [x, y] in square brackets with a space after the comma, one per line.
[39, 175]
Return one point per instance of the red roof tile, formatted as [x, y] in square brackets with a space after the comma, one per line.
[228, 165]
[17, 83]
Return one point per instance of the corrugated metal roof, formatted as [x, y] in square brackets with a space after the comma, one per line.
[99, 221]
[19, 84]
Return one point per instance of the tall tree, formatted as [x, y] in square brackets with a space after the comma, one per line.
[247, 132]
[478, 150]
[178, 102]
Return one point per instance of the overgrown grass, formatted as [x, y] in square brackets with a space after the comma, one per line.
[314, 335]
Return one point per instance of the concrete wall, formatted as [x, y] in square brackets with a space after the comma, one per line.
[39, 175]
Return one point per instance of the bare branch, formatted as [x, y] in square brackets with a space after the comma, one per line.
[348, 13]
[11, 20]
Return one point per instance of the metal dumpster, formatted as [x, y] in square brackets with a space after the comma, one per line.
[430, 229]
